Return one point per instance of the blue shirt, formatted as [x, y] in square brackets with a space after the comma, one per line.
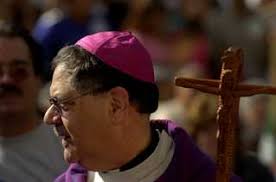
[65, 31]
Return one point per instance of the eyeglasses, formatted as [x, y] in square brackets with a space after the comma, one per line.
[59, 105]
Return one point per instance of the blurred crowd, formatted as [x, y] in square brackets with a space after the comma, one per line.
[184, 38]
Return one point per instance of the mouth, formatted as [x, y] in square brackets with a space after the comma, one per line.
[15, 92]
[9, 97]
[66, 142]
[61, 132]
[63, 135]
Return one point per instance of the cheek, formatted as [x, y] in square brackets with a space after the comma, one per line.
[30, 89]
[95, 133]
[89, 126]
[80, 126]
[31, 95]
[71, 125]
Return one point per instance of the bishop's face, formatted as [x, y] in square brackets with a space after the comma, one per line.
[81, 120]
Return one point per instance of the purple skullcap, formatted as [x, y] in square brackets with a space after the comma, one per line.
[122, 51]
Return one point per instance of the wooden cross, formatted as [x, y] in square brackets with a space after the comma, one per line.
[229, 91]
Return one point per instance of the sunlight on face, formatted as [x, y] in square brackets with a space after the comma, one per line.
[84, 123]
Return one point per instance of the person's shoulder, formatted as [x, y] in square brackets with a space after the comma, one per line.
[174, 130]
[165, 124]
[59, 26]
[250, 159]
[251, 168]
[46, 22]
[51, 17]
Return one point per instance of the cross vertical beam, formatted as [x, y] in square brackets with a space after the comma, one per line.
[227, 113]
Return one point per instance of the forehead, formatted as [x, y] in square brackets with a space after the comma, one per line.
[61, 82]
[13, 49]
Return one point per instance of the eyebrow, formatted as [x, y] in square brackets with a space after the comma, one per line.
[17, 62]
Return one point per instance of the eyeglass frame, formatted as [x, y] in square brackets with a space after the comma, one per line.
[58, 104]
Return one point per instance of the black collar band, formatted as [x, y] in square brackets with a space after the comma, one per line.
[145, 153]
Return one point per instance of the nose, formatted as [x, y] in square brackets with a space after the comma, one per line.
[51, 116]
[6, 77]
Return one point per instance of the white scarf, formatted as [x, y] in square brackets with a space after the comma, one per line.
[147, 171]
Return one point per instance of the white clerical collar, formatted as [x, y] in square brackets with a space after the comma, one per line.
[147, 171]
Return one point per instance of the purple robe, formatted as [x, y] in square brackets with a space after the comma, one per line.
[188, 164]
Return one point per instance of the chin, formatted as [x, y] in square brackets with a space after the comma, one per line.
[70, 155]
[10, 114]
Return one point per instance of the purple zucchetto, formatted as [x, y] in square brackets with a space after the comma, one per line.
[121, 50]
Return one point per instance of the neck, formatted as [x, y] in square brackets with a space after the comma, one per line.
[138, 140]
[129, 140]
[17, 124]
[145, 153]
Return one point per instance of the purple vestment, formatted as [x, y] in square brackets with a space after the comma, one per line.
[188, 164]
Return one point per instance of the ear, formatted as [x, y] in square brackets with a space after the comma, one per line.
[119, 103]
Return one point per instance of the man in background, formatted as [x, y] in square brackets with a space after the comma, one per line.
[29, 151]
